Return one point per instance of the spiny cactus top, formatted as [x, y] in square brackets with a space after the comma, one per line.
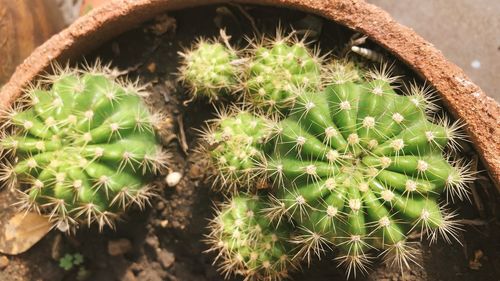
[83, 150]
[356, 166]
[277, 68]
[359, 166]
[352, 163]
[247, 244]
[236, 149]
[209, 69]
[271, 73]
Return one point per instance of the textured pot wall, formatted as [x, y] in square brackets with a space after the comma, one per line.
[462, 97]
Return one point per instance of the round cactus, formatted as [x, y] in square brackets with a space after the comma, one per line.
[356, 166]
[246, 243]
[209, 69]
[278, 70]
[83, 150]
[237, 139]
[353, 164]
[360, 166]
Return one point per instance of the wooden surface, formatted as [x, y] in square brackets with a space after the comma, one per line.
[24, 24]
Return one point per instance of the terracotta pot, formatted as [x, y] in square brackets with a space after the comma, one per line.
[24, 24]
[88, 5]
[463, 98]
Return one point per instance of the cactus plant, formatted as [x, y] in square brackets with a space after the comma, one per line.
[271, 73]
[360, 167]
[82, 150]
[236, 140]
[209, 69]
[352, 163]
[247, 244]
[277, 69]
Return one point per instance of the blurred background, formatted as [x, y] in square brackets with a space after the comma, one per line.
[466, 31]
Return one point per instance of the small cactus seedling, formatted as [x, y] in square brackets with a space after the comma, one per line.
[278, 68]
[247, 244]
[359, 167]
[209, 69]
[237, 139]
[69, 261]
[83, 150]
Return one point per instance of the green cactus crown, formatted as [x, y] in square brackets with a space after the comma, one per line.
[245, 243]
[82, 150]
[209, 69]
[351, 162]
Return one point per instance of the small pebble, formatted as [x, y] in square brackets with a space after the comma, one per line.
[166, 258]
[160, 206]
[152, 67]
[476, 64]
[129, 276]
[195, 171]
[164, 223]
[173, 179]
[119, 247]
[153, 241]
[56, 250]
[4, 262]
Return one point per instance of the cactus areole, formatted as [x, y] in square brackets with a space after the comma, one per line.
[83, 149]
[352, 162]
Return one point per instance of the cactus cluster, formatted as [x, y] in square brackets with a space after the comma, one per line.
[209, 69]
[246, 242]
[352, 162]
[236, 141]
[277, 69]
[82, 149]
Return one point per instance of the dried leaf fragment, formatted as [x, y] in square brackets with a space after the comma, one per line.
[22, 231]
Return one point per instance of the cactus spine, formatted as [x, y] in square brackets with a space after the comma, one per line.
[83, 150]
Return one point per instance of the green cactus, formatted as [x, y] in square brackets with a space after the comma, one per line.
[246, 244]
[278, 69]
[236, 140]
[209, 69]
[82, 151]
[360, 166]
[351, 163]
[355, 166]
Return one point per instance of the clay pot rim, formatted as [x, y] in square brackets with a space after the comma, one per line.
[460, 95]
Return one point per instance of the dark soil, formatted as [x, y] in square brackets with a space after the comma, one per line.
[166, 239]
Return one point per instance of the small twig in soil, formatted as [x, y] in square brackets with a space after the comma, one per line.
[126, 71]
[187, 102]
[473, 222]
[225, 38]
[248, 17]
[465, 247]
[182, 135]
[368, 54]
[355, 40]
[475, 195]
[310, 27]
[415, 235]
[171, 277]
[220, 13]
